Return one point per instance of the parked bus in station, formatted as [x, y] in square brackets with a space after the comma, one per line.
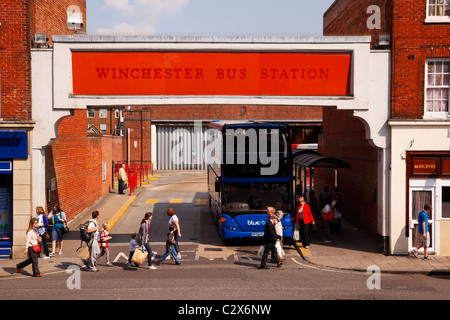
[254, 172]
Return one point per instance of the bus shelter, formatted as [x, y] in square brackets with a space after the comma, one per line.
[304, 163]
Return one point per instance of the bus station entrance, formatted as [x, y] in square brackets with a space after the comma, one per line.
[162, 82]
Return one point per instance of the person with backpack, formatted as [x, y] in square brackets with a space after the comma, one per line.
[94, 250]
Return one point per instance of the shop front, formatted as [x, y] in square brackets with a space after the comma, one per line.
[420, 174]
[429, 182]
[13, 147]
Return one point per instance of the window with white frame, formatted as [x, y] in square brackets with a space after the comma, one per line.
[103, 113]
[437, 88]
[91, 113]
[103, 170]
[438, 11]
[103, 128]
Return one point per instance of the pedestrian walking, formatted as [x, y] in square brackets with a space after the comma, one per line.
[103, 243]
[32, 248]
[424, 235]
[133, 246]
[170, 246]
[42, 230]
[143, 237]
[305, 220]
[59, 220]
[173, 220]
[279, 230]
[269, 239]
[92, 245]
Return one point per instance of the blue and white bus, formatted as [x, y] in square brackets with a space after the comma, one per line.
[254, 172]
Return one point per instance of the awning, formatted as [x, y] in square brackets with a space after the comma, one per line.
[310, 159]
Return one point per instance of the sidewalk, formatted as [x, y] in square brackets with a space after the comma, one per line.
[354, 251]
[111, 207]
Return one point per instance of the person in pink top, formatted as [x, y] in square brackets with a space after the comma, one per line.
[33, 239]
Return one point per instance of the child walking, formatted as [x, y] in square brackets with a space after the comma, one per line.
[133, 246]
[103, 243]
[170, 246]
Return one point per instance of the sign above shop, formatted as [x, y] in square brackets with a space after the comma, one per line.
[211, 73]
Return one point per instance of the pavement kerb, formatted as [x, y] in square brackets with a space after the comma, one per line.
[113, 220]
[306, 253]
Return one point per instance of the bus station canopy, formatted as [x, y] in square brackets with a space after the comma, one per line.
[310, 159]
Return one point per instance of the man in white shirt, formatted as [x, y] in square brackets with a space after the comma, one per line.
[94, 249]
[121, 177]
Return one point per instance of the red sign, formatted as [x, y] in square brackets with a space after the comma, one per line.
[211, 73]
[424, 166]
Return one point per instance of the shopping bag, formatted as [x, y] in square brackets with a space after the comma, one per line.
[328, 216]
[296, 234]
[280, 250]
[260, 251]
[139, 256]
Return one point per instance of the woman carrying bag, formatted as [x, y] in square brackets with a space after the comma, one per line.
[32, 249]
[143, 238]
[59, 222]
[304, 218]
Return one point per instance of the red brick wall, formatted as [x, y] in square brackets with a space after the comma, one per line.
[15, 64]
[75, 160]
[413, 41]
[344, 138]
[20, 20]
[413, 37]
[349, 17]
[57, 10]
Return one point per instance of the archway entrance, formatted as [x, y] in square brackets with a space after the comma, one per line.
[277, 76]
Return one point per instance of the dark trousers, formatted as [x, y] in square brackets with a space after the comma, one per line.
[131, 256]
[44, 244]
[305, 232]
[32, 259]
[121, 186]
[267, 250]
[149, 257]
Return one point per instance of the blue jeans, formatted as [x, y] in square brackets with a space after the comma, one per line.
[149, 250]
[56, 233]
[170, 250]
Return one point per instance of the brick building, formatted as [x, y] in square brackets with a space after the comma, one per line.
[20, 21]
[418, 35]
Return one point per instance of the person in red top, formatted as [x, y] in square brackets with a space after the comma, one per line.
[103, 243]
[305, 220]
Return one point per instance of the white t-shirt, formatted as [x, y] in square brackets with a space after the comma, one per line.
[92, 225]
[172, 220]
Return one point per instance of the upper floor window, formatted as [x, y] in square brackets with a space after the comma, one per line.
[103, 113]
[438, 11]
[437, 88]
[91, 113]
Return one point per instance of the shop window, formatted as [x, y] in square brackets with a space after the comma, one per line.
[438, 11]
[437, 89]
[104, 171]
[446, 202]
